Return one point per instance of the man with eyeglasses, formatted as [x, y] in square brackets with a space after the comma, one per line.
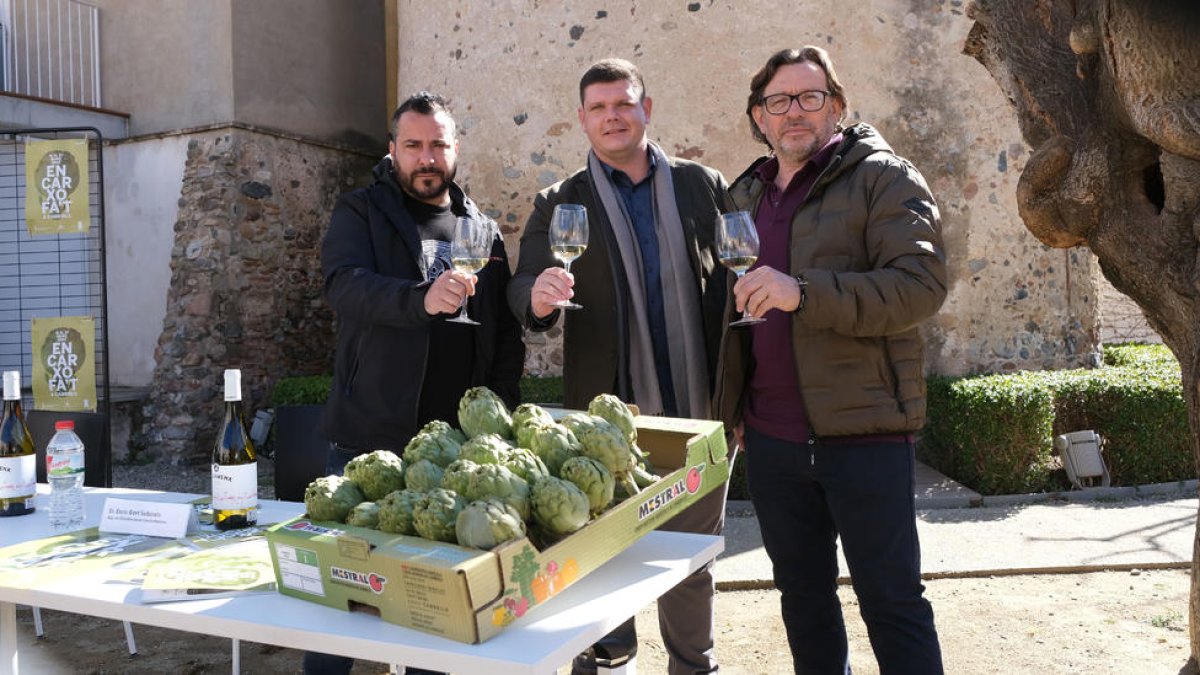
[829, 390]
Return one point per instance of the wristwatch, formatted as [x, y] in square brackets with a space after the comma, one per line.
[802, 284]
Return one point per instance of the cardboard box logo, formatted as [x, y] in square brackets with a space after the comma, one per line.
[687, 485]
[374, 582]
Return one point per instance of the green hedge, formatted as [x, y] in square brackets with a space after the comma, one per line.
[301, 390]
[994, 433]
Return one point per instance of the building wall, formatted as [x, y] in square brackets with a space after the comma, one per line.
[512, 69]
[142, 186]
[314, 68]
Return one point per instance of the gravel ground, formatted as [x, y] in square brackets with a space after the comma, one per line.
[194, 478]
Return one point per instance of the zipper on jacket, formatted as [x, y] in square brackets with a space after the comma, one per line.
[812, 447]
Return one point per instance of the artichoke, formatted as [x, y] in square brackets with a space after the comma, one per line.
[526, 464]
[616, 413]
[642, 477]
[331, 498]
[423, 475]
[376, 473]
[593, 478]
[605, 442]
[480, 411]
[495, 481]
[364, 514]
[435, 516]
[396, 511]
[578, 421]
[486, 449]
[558, 505]
[525, 416]
[487, 523]
[555, 444]
[436, 442]
[458, 474]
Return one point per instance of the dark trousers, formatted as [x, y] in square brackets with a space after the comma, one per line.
[805, 498]
[315, 663]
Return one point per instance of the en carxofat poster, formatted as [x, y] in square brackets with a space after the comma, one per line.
[57, 186]
[64, 363]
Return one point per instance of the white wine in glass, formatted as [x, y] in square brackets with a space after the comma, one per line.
[469, 253]
[737, 244]
[568, 239]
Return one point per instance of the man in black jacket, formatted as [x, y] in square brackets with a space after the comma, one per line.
[386, 260]
[652, 291]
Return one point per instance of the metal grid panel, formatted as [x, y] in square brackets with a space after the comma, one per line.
[49, 275]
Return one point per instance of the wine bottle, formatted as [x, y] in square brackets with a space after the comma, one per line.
[18, 464]
[234, 467]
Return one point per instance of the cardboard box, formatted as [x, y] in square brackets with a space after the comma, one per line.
[470, 595]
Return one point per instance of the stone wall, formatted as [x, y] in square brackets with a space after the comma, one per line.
[245, 280]
[511, 70]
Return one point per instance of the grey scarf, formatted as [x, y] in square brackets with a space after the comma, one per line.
[681, 296]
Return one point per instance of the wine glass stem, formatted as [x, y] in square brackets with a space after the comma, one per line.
[464, 308]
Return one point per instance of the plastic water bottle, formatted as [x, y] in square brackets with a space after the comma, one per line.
[64, 470]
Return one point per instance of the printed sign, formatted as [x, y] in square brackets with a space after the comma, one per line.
[56, 186]
[64, 366]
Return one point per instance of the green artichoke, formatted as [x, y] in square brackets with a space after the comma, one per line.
[376, 473]
[331, 498]
[642, 477]
[495, 481]
[486, 449]
[593, 478]
[480, 411]
[458, 474]
[364, 514]
[423, 475]
[396, 511]
[555, 444]
[578, 421]
[436, 442]
[616, 413]
[605, 442]
[435, 516]
[488, 523]
[524, 417]
[559, 506]
[526, 464]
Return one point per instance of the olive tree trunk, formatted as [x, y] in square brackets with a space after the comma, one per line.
[1108, 94]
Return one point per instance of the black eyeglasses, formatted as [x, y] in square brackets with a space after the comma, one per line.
[809, 101]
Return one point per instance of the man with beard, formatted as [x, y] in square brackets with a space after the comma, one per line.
[386, 261]
[829, 389]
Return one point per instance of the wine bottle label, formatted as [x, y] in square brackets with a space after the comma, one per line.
[235, 486]
[18, 476]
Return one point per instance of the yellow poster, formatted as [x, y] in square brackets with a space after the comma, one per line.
[56, 186]
[64, 363]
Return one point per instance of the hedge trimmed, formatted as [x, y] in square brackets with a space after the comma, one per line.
[994, 433]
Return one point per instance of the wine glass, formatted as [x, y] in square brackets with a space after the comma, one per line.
[469, 253]
[737, 244]
[568, 239]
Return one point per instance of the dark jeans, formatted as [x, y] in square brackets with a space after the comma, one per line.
[805, 498]
[316, 663]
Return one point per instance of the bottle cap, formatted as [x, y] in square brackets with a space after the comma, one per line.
[233, 384]
[64, 424]
[12, 385]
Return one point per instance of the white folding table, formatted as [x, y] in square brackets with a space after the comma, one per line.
[549, 636]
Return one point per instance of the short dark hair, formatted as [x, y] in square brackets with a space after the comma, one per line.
[612, 70]
[422, 102]
[786, 57]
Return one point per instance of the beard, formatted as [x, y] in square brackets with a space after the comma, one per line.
[798, 151]
[426, 183]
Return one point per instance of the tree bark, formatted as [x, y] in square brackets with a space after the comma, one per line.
[1108, 94]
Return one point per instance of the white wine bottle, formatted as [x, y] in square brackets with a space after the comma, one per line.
[234, 466]
[18, 463]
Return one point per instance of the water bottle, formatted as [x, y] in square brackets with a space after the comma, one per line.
[64, 470]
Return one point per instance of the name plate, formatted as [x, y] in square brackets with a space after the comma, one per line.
[154, 519]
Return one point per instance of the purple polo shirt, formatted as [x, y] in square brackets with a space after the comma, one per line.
[774, 405]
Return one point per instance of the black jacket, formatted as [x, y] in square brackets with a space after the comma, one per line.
[595, 338]
[373, 280]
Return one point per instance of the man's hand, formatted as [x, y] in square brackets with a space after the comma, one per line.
[553, 285]
[764, 289]
[739, 436]
[446, 293]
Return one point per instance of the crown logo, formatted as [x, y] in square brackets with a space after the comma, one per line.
[61, 334]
